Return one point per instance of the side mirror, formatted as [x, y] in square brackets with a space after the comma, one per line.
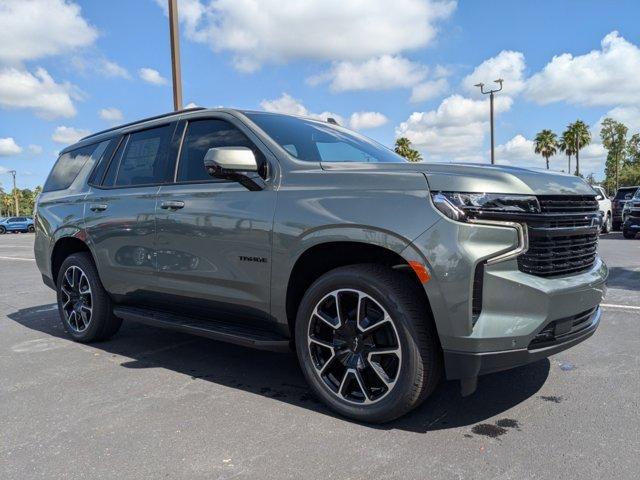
[221, 160]
[238, 164]
[599, 197]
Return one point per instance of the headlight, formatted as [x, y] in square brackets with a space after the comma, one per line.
[462, 206]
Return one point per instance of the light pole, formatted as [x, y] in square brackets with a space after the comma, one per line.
[175, 54]
[491, 92]
[15, 192]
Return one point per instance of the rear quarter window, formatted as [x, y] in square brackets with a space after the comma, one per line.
[68, 166]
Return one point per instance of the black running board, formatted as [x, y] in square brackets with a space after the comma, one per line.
[214, 329]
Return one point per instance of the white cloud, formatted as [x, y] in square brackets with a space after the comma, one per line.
[290, 106]
[39, 92]
[364, 120]
[39, 28]
[455, 130]
[629, 115]
[8, 147]
[508, 65]
[191, 105]
[110, 68]
[34, 149]
[608, 76]
[152, 76]
[381, 73]
[110, 114]
[68, 135]
[3, 170]
[519, 152]
[278, 31]
[429, 90]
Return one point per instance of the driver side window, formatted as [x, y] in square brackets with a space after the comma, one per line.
[202, 135]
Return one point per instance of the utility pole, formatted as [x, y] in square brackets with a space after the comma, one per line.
[491, 92]
[175, 54]
[15, 192]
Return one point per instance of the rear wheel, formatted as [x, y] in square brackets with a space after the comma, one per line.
[626, 233]
[3, 230]
[31, 229]
[85, 308]
[366, 343]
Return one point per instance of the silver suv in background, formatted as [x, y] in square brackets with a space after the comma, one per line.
[279, 232]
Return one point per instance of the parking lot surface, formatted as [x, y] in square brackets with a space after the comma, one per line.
[157, 404]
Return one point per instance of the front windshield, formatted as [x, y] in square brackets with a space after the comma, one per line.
[316, 141]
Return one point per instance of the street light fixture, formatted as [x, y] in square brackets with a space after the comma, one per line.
[15, 192]
[491, 92]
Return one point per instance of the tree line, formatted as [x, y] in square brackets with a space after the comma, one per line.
[622, 166]
[26, 201]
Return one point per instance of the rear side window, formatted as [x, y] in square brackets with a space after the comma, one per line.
[202, 135]
[623, 192]
[142, 158]
[67, 168]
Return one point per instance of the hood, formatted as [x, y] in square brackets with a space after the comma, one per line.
[480, 178]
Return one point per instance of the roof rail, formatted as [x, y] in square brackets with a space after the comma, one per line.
[148, 119]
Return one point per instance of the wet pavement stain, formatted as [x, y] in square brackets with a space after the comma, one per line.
[488, 430]
[551, 398]
[508, 423]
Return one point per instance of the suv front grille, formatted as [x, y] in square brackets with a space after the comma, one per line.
[563, 238]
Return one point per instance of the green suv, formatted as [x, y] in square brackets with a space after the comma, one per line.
[278, 232]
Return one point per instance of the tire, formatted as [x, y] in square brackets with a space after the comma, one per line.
[607, 225]
[31, 229]
[629, 234]
[3, 230]
[78, 272]
[413, 369]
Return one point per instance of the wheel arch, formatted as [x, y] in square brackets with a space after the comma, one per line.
[64, 247]
[323, 257]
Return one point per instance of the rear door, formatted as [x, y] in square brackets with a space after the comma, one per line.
[214, 236]
[120, 212]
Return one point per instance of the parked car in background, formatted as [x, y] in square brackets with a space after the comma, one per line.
[623, 195]
[604, 203]
[273, 231]
[16, 224]
[631, 217]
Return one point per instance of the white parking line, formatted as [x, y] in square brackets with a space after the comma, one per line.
[611, 305]
[18, 258]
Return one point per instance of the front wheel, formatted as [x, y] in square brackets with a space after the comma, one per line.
[366, 343]
[83, 304]
[3, 230]
[607, 225]
[629, 234]
[31, 229]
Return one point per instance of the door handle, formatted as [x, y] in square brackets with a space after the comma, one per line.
[98, 207]
[172, 205]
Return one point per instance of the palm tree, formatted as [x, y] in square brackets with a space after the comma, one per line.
[546, 144]
[404, 148]
[566, 145]
[581, 137]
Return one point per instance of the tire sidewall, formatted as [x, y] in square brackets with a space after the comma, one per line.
[98, 305]
[3, 230]
[403, 390]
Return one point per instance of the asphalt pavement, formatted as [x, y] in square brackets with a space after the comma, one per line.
[152, 404]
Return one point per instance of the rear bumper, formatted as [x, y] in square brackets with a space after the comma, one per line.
[463, 365]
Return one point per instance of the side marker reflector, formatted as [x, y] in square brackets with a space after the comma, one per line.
[421, 271]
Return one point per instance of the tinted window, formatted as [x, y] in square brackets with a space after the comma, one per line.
[321, 142]
[202, 135]
[67, 168]
[143, 158]
[623, 192]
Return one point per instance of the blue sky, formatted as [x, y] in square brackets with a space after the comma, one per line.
[386, 68]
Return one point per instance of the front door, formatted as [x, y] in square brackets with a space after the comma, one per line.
[214, 236]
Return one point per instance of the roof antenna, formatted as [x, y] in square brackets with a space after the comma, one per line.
[332, 121]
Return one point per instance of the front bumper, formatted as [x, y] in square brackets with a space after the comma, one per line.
[515, 306]
[632, 221]
[462, 365]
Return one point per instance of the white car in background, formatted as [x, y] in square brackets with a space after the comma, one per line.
[604, 203]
